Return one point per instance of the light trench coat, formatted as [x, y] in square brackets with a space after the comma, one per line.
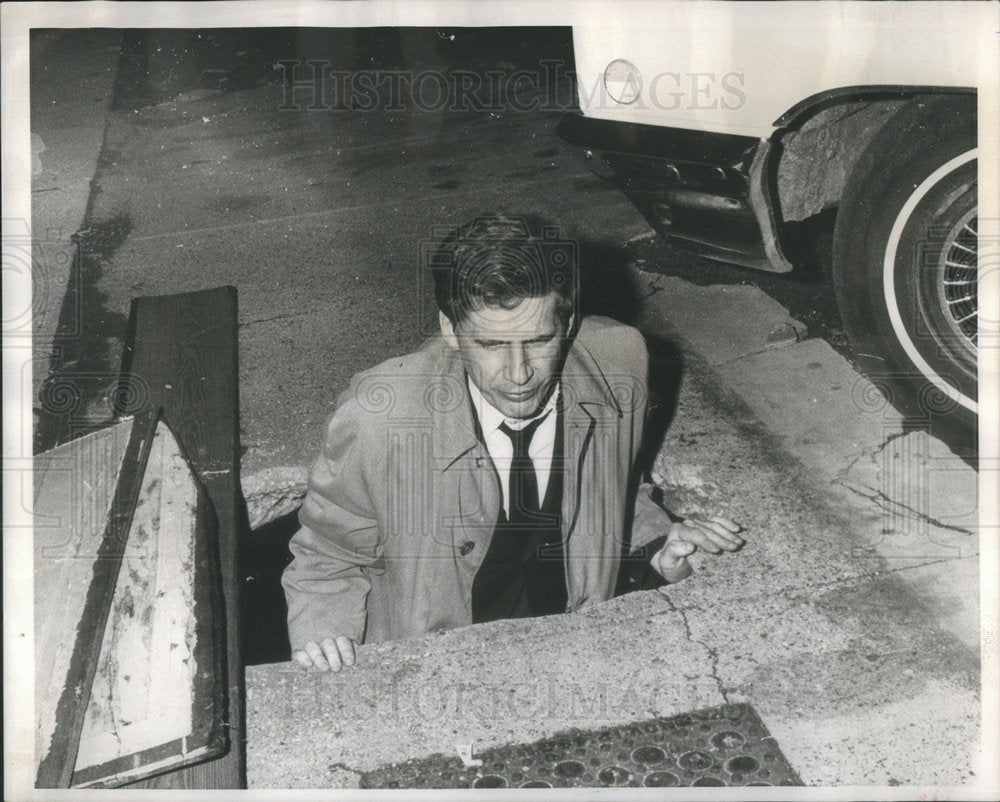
[403, 500]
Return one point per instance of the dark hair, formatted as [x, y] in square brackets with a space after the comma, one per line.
[498, 261]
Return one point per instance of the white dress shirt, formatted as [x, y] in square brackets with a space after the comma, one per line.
[500, 448]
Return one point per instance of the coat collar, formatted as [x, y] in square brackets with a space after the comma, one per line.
[588, 397]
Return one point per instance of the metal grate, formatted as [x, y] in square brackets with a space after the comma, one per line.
[718, 746]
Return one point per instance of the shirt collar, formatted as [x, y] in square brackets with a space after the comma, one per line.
[490, 418]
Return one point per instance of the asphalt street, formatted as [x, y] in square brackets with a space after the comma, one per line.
[850, 621]
[335, 157]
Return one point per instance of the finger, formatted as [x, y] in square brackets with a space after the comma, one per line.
[316, 655]
[346, 647]
[732, 526]
[332, 655]
[718, 529]
[722, 539]
[302, 658]
[692, 533]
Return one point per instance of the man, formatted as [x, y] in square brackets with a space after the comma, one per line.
[491, 474]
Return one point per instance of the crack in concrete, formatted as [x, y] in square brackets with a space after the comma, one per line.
[654, 287]
[713, 654]
[883, 501]
[270, 319]
[343, 767]
[872, 456]
[768, 348]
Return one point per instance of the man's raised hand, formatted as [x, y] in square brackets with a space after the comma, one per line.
[330, 654]
[711, 533]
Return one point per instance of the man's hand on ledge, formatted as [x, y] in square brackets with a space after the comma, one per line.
[712, 533]
[330, 654]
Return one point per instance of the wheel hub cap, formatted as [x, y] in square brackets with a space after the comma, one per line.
[958, 279]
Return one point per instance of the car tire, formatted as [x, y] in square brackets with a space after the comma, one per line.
[905, 262]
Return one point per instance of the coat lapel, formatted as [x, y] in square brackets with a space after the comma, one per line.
[469, 491]
[592, 419]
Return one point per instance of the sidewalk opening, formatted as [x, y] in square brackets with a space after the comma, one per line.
[263, 613]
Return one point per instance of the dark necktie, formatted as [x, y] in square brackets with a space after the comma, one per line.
[522, 486]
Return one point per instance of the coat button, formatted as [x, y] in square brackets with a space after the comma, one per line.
[466, 547]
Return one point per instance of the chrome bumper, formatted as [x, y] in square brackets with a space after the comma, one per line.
[704, 192]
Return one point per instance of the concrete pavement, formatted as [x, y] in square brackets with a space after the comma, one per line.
[844, 660]
[850, 619]
[916, 502]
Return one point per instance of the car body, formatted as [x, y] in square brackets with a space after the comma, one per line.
[723, 122]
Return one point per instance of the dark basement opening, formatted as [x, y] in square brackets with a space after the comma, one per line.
[263, 612]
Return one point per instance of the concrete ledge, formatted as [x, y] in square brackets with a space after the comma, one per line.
[819, 665]
[505, 682]
[273, 492]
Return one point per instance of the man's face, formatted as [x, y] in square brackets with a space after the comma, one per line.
[514, 356]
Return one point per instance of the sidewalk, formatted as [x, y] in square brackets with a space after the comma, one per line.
[915, 501]
[841, 655]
